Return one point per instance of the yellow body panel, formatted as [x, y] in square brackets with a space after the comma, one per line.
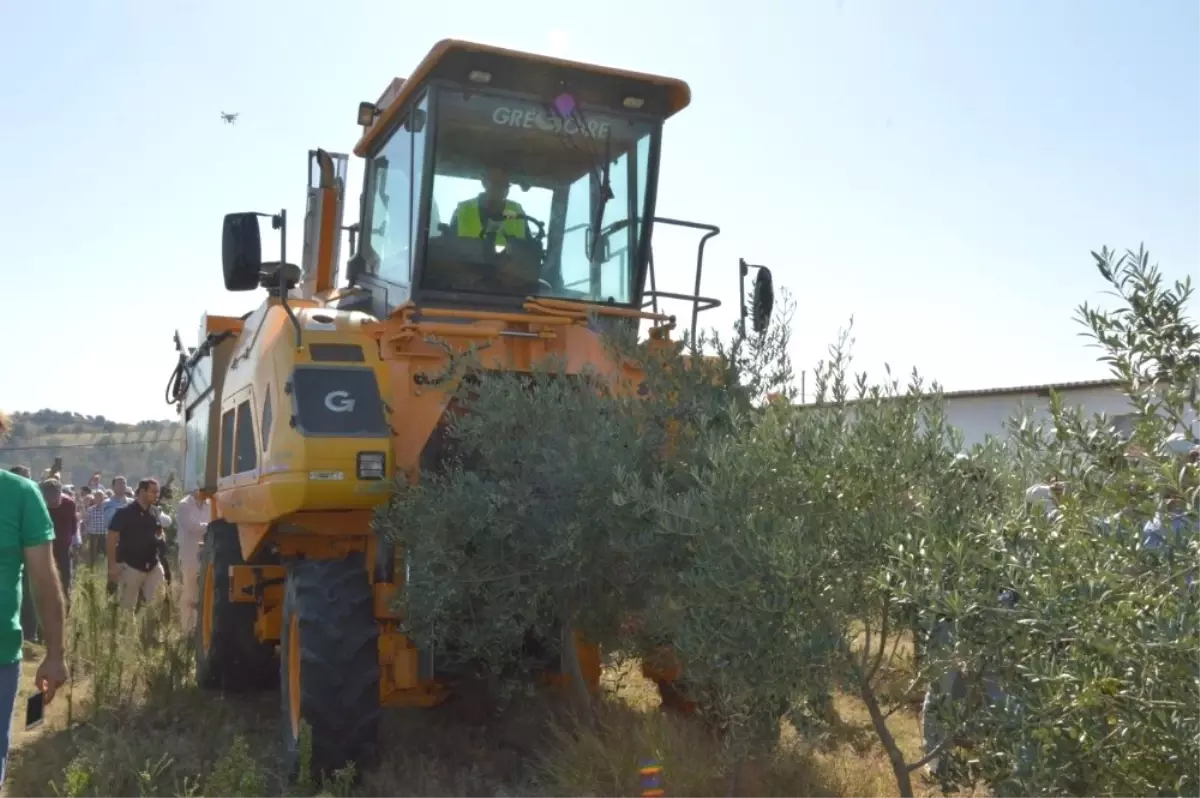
[297, 475]
[283, 483]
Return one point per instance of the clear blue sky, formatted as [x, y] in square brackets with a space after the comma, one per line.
[938, 169]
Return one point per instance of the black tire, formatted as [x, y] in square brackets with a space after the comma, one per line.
[333, 608]
[234, 659]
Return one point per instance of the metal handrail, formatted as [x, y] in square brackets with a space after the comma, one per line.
[699, 302]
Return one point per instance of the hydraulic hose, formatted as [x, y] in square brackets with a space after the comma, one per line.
[177, 384]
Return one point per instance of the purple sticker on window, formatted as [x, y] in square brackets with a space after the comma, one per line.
[564, 104]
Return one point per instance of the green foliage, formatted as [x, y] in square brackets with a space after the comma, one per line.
[1100, 652]
[747, 612]
[236, 773]
[137, 724]
[522, 531]
[506, 539]
[781, 551]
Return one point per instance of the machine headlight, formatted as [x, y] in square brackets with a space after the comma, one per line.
[372, 465]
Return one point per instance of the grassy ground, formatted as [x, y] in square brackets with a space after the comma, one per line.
[132, 722]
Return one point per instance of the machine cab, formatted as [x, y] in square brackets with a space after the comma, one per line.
[493, 176]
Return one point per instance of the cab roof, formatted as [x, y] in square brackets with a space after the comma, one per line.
[453, 59]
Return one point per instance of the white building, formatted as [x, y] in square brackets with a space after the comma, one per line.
[984, 412]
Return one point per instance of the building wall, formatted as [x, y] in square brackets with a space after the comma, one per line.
[985, 414]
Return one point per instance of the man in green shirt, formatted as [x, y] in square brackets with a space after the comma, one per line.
[26, 539]
[29, 621]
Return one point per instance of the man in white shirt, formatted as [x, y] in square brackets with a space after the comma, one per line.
[192, 520]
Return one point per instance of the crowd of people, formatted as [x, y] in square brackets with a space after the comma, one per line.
[49, 528]
[126, 529]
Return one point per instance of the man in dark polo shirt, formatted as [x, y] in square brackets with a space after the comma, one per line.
[133, 546]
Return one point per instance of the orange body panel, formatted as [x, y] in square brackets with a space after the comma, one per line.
[590, 665]
[399, 681]
[400, 91]
[328, 233]
[664, 667]
[244, 579]
[385, 600]
[511, 342]
[220, 324]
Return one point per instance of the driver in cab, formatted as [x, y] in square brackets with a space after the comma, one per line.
[492, 212]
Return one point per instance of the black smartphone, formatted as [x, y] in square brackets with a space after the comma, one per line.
[57, 467]
[35, 710]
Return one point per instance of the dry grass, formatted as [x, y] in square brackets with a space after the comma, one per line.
[133, 723]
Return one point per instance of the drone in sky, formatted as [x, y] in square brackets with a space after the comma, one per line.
[229, 119]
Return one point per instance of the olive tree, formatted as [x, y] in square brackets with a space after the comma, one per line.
[519, 540]
[793, 521]
[514, 544]
[883, 471]
[750, 537]
[754, 606]
[1091, 666]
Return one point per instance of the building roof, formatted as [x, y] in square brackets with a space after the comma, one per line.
[1014, 390]
[1039, 390]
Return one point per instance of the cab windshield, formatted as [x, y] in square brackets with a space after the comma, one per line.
[533, 199]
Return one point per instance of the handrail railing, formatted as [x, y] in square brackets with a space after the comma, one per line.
[699, 302]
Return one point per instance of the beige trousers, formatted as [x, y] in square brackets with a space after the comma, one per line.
[187, 598]
[134, 582]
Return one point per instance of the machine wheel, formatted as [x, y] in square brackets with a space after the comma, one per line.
[228, 653]
[329, 663]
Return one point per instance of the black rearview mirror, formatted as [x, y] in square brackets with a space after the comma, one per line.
[763, 300]
[241, 251]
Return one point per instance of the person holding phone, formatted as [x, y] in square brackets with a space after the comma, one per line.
[26, 546]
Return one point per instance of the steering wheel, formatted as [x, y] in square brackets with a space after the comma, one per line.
[540, 234]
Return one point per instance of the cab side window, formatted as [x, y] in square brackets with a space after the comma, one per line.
[226, 443]
[419, 126]
[390, 242]
[245, 449]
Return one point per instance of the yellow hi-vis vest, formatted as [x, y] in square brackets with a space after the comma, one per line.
[470, 222]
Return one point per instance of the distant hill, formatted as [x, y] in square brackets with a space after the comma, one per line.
[93, 443]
